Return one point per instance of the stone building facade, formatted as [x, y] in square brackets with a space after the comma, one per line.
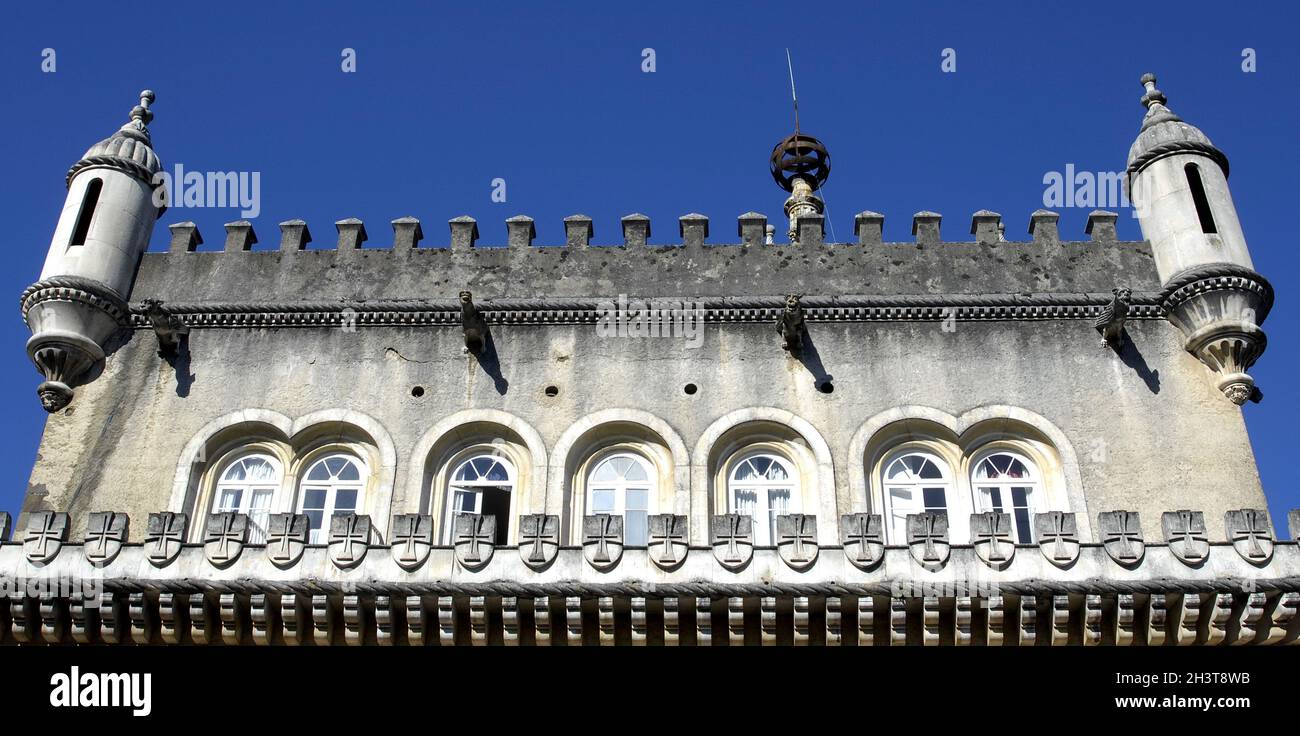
[725, 441]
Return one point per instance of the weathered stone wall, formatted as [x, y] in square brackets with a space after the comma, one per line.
[721, 270]
[1149, 429]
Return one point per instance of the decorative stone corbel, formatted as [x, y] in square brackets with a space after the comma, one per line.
[790, 325]
[473, 323]
[1219, 308]
[167, 327]
[1110, 322]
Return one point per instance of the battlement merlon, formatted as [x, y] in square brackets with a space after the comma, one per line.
[987, 264]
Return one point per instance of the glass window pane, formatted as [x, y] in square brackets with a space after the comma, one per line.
[350, 472]
[604, 472]
[345, 500]
[637, 472]
[1020, 496]
[262, 499]
[260, 470]
[318, 472]
[602, 502]
[778, 500]
[637, 499]
[777, 472]
[935, 499]
[761, 465]
[897, 471]
[635, 528]
[497, 473]
[465, 502]
[1023, 530]
[315, 518]
[930, 471]
[745, 500]
[229, 499]
[313, 498]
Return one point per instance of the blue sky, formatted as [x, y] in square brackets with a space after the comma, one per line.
[551, 97]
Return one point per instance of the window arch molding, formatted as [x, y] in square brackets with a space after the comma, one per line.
[292, 442]
[802, 443]
[510, 457]
[426, 479]
[596, 436]
[755, 456]
[1037, 481]
[949, 460]
[970, 432]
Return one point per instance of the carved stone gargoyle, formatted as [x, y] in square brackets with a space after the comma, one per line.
[473, 323]
[790, 325]
[166, 326]
[1110, 323]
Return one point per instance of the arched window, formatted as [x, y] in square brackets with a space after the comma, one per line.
[1007, 483]
[248, 486]
[482, 484]
[621, 484]
[1202, 202]
[763, 486]
[332, 485]
[914, 482]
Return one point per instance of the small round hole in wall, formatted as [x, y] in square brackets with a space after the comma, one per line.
[417, 391]
[826, 387]
[552, 391]
[690, 389]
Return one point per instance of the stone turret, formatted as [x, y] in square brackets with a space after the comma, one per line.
[107, 219]
[1178, 183]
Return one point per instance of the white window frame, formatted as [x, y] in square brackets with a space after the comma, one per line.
[619, 488]
[914, 485]
[1022, 530]
[765, 512]
[259, 516]
[458, 487]
[332, 487]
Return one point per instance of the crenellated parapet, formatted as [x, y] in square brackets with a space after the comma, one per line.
[355, 589]
[752, 229]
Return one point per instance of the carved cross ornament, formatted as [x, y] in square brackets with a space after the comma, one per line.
[602, 540]
[539, 540]
[927, 538]
[474, 536]
[105, 534]
[733, 540]
[45, 535]
[349, 539]
[1185, 534]
[796, 540]
[863, 539]
[224, 537]
[1121, 535]
[164, 537]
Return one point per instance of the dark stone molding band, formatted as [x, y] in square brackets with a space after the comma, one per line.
[1215, 277]
[77, 289]
[925, 308]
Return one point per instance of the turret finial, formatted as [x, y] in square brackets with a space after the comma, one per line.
[141, 112]
[1152, 95]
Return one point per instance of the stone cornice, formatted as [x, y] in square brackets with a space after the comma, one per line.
[924, 308]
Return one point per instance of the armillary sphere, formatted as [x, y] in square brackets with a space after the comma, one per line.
[798, 156]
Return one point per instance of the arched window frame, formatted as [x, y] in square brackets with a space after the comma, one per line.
[764, 529]
[499, 451]
[248, 503]
[620, 503]
[942, 455]
[1022, 524]
[330, 505]
[207, 499]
